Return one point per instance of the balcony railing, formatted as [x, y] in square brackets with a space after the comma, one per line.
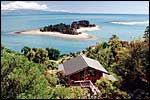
[86, 84]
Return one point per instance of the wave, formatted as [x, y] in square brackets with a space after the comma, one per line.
[131, 23]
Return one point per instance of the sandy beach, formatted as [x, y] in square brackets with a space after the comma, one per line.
[84, 29]
[82, 36]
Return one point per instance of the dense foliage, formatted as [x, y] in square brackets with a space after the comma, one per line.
[109, 90]
[53, 54]
[81, 23]
[67, 29]
[24, 79]
[21, 78]
[130, 60]
[48, 56]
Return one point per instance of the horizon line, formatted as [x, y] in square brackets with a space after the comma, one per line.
[82, 12]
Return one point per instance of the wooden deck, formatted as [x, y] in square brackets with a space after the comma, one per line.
[87, 84]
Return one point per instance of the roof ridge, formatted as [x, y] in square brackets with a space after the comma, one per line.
[82, 56]
[89, 58]
[87, 63]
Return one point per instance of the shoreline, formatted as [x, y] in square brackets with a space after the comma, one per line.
[82, 36]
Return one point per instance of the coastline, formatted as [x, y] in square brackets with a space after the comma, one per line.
[82, 36]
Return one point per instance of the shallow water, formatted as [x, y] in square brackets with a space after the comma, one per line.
[15, 42]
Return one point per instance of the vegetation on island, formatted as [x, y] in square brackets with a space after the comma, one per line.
[34, 75]
[67, 29]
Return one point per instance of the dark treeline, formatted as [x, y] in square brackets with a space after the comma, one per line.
[67, 29]
[82, 23]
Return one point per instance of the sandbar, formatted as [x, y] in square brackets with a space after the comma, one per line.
[82, 36]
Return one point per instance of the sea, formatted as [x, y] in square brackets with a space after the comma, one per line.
[127, 27]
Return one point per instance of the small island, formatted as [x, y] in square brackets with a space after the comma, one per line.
[74, 31]
[67, 29]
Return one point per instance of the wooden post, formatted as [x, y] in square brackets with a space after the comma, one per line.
[85, 74]
[69, 79]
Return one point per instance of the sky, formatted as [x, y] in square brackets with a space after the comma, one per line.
[114, 7]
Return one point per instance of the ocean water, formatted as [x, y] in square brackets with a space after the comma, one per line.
[127, 27]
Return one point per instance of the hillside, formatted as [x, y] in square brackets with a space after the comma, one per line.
[34, 75]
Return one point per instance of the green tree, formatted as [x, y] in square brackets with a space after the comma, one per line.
[134, 69]
[53, 54]
[40, 55]
[25, 50]
[146, 32]
[109, 90]
[21, 78]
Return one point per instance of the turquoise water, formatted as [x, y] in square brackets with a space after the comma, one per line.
[15, 42]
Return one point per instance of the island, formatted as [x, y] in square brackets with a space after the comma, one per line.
[74, 31]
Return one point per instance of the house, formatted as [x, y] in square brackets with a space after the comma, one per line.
[83, 68]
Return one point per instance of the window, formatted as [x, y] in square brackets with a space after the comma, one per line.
[81, 75]
[92, 72]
